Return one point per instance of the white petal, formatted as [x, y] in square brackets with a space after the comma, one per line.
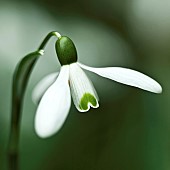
[128, 77]
[82, 90]
[42, 86]
[54, 106]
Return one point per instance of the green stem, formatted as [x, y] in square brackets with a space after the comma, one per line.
[20, 81]
[43, 44]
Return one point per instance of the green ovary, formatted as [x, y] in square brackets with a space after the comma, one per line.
[87, 98]
[66, 50]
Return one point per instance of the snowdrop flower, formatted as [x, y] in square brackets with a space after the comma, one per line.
[53, 93]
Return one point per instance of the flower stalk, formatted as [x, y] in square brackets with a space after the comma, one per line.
[20, 81]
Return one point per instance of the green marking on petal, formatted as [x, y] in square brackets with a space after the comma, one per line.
[87, 98]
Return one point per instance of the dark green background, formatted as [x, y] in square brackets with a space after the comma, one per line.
[131, 129]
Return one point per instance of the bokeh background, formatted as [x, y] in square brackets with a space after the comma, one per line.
[131, 129]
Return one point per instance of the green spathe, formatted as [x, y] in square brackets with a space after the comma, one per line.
[66, 50]
[87, 98]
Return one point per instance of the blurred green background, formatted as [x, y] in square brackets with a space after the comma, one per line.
[131, 129]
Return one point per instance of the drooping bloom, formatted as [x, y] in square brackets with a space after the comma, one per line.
[53, 93]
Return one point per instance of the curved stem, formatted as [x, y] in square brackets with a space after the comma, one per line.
[20, 81]
[43, 44]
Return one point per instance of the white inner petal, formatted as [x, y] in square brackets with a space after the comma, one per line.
[42, 86]
[82, 90]
[54, 106]
[128, 77]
